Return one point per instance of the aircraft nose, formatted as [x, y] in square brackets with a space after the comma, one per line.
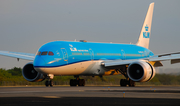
[39, 62]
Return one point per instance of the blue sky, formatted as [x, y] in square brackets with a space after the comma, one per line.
[27, 24]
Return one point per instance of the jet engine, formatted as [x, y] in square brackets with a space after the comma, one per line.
[30, 74]
[140, 71]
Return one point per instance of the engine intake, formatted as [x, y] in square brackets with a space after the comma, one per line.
[30, 74]
[141, 71]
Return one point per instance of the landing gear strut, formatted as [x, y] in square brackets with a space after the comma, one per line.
[77, 81]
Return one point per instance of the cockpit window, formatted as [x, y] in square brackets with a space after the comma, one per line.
[38, 53]
[51, 53]
[44, 53]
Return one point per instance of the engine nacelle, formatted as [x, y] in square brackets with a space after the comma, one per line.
[30, 74]
[141, 71]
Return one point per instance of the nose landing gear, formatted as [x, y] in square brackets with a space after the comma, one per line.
[49, 82]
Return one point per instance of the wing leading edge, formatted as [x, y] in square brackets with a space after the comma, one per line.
[18, 55]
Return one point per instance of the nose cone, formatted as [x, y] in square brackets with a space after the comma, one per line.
[39, 62]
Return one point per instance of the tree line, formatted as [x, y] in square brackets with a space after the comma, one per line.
[13, 77]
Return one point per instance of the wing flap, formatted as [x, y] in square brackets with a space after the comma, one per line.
[175, 61]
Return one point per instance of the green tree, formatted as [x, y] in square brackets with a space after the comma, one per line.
[15, 71]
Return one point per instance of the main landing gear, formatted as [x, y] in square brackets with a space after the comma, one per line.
[125, 82]
[77, 81]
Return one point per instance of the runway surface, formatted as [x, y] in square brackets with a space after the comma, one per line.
[89, 96]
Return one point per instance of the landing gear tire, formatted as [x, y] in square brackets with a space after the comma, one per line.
[131, 83]
[123, 82]
[49, 83]
[81, 82]
[74, 82]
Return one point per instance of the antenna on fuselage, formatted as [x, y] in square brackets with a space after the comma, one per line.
[82, 41]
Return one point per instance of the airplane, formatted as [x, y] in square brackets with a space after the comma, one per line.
[81, 58]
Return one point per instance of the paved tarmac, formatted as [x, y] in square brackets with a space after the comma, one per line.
[89, 96]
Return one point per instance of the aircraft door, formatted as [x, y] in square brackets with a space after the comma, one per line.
[123, 54]
[91, 53]
[65, 54]
[145, 53]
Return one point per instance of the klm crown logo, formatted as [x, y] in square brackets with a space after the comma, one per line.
[146, 33]
[146, 28]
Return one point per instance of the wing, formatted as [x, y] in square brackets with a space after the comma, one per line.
[173, 57]
[18, 55]
[155, 60]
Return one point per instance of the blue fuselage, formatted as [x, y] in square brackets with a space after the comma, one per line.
[61, 53]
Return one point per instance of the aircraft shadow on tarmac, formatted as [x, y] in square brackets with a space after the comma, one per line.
[85, 101]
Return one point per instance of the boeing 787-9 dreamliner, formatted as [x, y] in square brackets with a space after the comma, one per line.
[81, 58]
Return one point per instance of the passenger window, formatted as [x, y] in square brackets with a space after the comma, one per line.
[50, 53]
[44, 53]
